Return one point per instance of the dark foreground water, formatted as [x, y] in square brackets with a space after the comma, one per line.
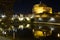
[27, 34]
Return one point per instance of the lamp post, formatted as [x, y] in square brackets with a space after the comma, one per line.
[13, 34]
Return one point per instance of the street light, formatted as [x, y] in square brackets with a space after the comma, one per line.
[28, 26]
[3, 16]
[20, 27]
[52, 19]
[14, 16]
[40, 27]
[21, 18]
[58, 35]
[3, 32]
[33, 30]
[27, 18]
[32, 16]
[21, 15]
[40, 19]
[52, 28]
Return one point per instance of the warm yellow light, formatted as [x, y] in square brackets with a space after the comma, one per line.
[33, 30]
[27, 18]
[39, 10]
[38, 33]
[12, 18]
[28, 25]
[50, 11]
[21, 18]
[20, 27]
[44, 15]
[58, 35]
[37, 16]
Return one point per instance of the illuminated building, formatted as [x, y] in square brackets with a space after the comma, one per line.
[57, 14]
[41, 10]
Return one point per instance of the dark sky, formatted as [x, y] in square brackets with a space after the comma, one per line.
[25, 6]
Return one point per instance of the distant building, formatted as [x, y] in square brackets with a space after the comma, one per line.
[40, 9]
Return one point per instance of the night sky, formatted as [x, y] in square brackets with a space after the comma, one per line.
[25, 6]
